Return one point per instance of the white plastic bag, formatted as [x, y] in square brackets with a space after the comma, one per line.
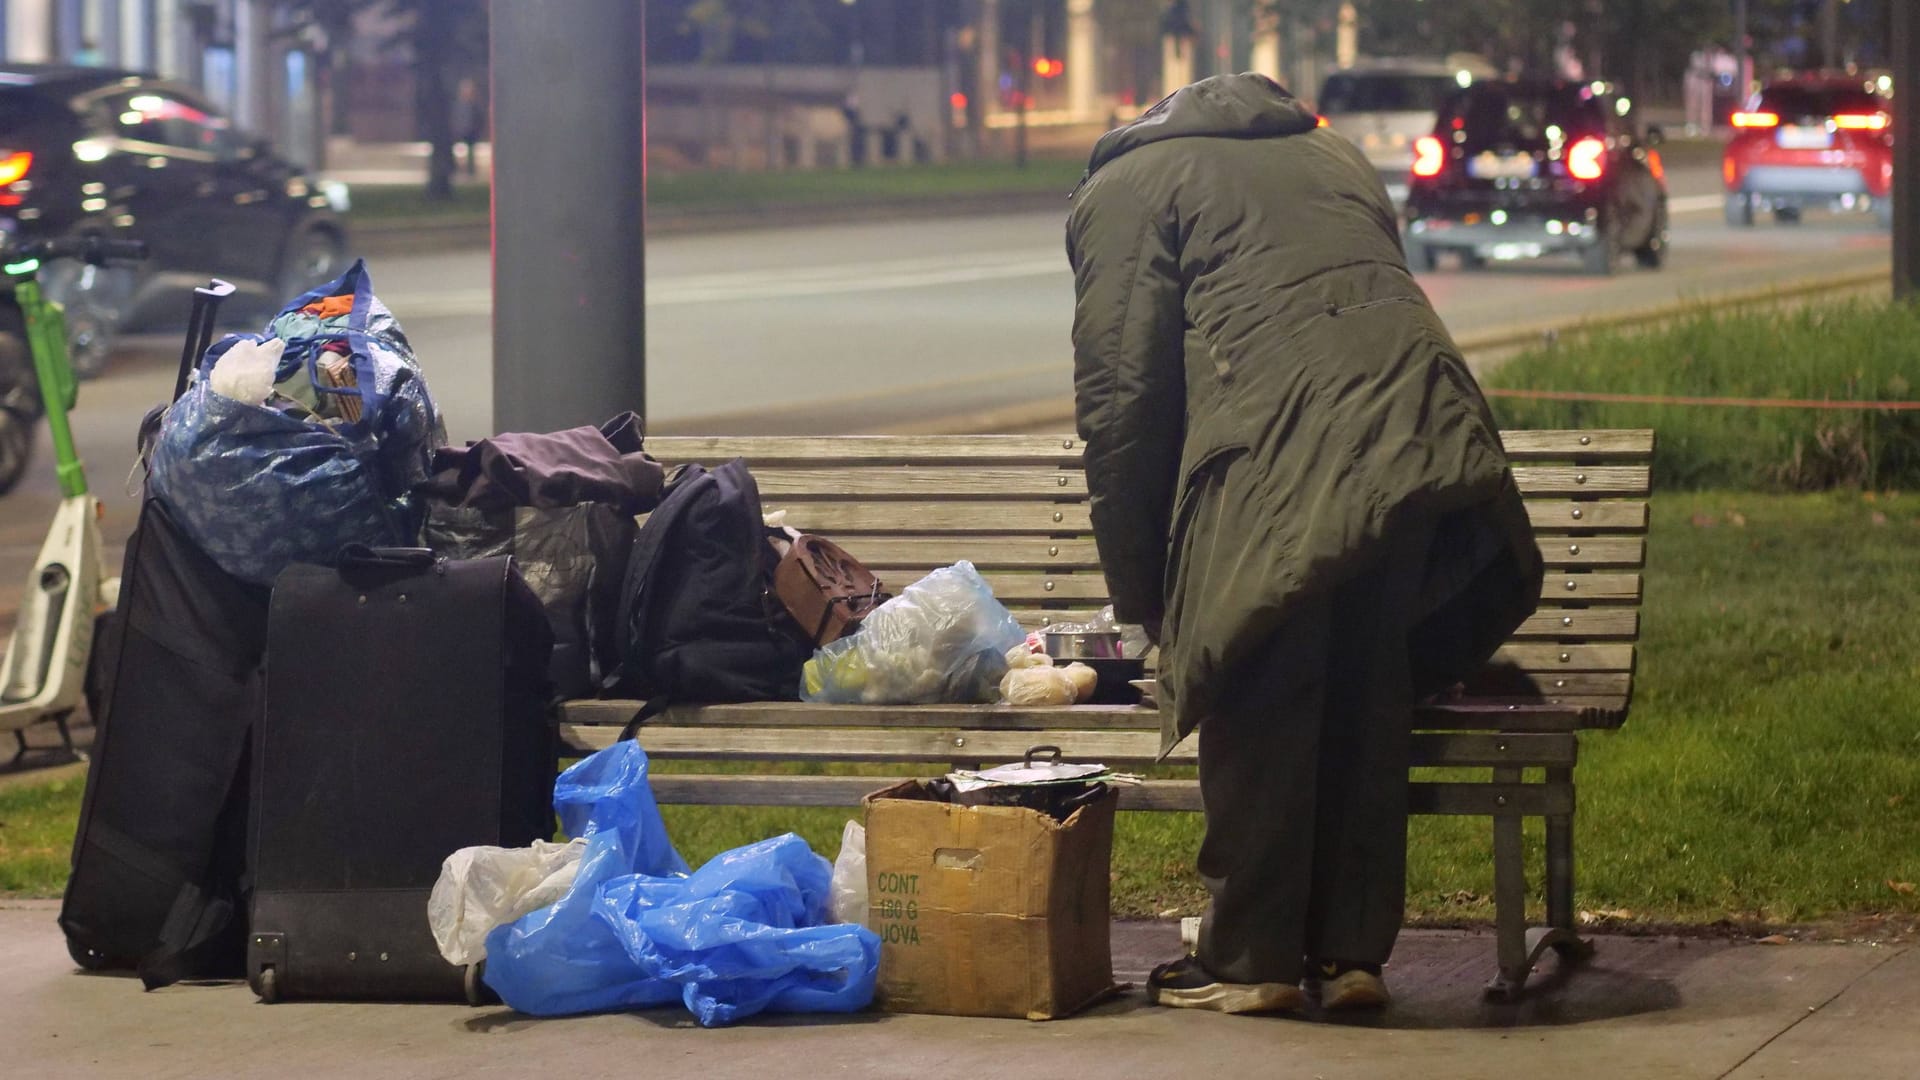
[484, 887]
[245, 372]
[944, 639]
[849, 897]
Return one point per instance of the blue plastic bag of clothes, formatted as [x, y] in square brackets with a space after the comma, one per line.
[330, 459]
[747, 933]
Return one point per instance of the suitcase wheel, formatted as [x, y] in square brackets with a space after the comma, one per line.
[478, 992]
[266, 984]
[88, 959]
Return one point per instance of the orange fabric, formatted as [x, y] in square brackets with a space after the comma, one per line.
[330, 307]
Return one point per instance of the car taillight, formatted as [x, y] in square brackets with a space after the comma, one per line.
[1756, 119]
[1861, 121]
[14, 166]
[1319, 121]
[1586, 159]
[1429, 156]
[1656, 166]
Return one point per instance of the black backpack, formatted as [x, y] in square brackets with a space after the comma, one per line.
[699, 620]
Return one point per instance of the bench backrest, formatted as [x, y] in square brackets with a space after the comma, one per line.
[1016, 507]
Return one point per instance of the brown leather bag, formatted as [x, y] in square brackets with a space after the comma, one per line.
[824, 589]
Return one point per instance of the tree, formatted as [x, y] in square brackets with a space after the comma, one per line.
[443, 37]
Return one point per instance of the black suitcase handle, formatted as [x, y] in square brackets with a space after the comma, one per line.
[364, 555]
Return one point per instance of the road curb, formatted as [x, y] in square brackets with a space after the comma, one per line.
[377, 238]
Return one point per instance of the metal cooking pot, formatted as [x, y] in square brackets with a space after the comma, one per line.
[1087, 645]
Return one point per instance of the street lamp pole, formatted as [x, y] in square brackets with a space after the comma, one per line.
[569, 212]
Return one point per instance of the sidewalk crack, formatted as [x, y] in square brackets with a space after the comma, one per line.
[1810, 1013]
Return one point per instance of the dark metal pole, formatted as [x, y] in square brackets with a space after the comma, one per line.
[1906, 151]
[569, 211]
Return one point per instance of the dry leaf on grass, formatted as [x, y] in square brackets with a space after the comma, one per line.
[1606, 915]
[1776, 939]
[1736, 519]
[1904, 888]
[1879, 518]
[1705, 521]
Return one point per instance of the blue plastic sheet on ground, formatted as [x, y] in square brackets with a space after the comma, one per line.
[746, 933]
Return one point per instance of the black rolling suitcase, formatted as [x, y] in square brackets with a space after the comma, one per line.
[406, 717]
[158, 868]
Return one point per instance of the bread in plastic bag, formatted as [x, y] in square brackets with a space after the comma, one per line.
[1030, 686]
[484, 887]
[943, 640]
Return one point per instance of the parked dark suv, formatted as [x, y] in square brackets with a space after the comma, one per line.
[1522, 169]
[89, 151]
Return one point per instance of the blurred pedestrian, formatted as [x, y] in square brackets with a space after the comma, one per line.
[1299, 490]
[469, 122]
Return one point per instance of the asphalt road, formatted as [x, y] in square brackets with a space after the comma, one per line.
[855, 327]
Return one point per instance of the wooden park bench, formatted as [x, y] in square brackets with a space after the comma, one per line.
[1016, 506]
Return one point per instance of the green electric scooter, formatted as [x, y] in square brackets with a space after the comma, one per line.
[44, 671]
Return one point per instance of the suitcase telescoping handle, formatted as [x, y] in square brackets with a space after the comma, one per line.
[200, 324]
[364, 555]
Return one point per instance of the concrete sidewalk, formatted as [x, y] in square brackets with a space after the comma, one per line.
[1648, 1007]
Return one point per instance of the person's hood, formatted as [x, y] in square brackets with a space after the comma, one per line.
[1230, 106]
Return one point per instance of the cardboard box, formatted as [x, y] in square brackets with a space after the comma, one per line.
[989, 910]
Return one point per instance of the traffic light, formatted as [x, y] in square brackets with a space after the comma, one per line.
[1047, 67]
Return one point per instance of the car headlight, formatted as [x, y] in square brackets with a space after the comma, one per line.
[336, 195]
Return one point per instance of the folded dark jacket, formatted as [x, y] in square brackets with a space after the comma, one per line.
[562, 468]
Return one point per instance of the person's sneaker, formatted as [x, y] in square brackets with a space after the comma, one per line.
[1350, 986]
[1184, 984]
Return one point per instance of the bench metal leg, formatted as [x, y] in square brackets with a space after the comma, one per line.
[1509, 898]
[66, 735]
[1560, 935]
[20, 738]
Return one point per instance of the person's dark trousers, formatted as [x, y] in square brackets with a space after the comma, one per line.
[1303, 773]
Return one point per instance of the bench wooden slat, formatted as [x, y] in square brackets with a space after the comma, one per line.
[1537, 481]
[1498, 682]
[912, 555]
[1551, 659]
[985, 552]
[841, 520]
[1423, 797]
[1582, 624]
[938, 483]
[1062, 449]
[1568, 588]
[1551, 516]
[1119, 748]
[777, 451]
[1598, 445]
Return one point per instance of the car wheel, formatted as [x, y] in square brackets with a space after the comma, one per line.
[1740, 211]
[1653, 254]
[1422, 257]
[92, 297]
[1472, 260]
[1786, 215]
[16, 447]
[315, 256]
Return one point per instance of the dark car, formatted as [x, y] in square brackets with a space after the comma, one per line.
[126, 156]
[1813, 141]
[1520, 169]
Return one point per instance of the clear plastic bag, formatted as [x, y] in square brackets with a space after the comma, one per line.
[484, 887]
[850, 876]
[747, 933]
[944, 639]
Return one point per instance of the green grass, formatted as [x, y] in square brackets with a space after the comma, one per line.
[36, 836]
[1770, 769]
[715, 191]
[1856, 351]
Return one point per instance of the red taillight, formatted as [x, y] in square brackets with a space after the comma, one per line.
[1654, 165]
[14, 166]
[1756, 120]
[1428, 156]
[1320, 121]
[1587, 159]
[1861, 121]
[1729, 172]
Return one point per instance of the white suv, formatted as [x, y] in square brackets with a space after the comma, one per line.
[1382, 106]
